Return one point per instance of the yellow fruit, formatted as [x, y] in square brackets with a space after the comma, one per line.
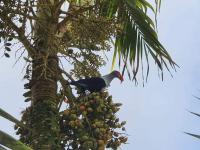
[90, 109]
[84, 138]
[97, 97]
[102, 130]
[72, 123]
[73, 116]
[84, 113]
[66, 112]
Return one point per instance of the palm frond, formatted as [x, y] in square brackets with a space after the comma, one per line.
[8, 141]
[198, 115]
[194, 135]
[11, 118]
[146, 5]
[194, 113]
[197, 97]
[138, 38]
[2, 148]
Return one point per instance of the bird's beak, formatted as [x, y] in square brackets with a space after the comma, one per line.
[121, 78]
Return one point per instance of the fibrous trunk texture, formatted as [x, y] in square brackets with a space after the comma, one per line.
[44, 115]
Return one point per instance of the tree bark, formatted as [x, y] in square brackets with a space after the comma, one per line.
[44, 112]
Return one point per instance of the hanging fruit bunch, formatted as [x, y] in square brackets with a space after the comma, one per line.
[91, 123]
[88, 123]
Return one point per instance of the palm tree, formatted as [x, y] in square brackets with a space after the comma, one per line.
[76, 30]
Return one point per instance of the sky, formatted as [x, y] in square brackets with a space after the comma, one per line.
[156, 114]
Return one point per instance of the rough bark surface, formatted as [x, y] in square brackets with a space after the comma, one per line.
[44, 111]
[44, 118]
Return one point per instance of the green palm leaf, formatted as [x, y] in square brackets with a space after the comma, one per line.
[11, 118]
[194, 113]
[198, 115]
[194, 135]
[2, 148]
[138, 37]
[8, 141]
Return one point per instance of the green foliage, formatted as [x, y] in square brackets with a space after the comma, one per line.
[8, 141]
[87, 65]
[90, 32]
[136, 36]
[11, 118]
[89, 27]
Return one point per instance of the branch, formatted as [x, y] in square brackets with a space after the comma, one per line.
[66, 88]
[67, 91]
[58, 6]
[21, 37]
[67, 74]
[16, 12]
[31, 9]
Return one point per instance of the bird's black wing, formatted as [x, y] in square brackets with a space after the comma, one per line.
[93, 84]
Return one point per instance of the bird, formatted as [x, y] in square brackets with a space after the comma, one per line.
[97, 84]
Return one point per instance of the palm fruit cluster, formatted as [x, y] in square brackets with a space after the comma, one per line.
[91, 123]
[88, 123]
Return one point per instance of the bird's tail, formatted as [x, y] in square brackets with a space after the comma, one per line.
[79, 87]
[74, 83]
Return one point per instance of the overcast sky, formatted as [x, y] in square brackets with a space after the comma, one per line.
[157, 113]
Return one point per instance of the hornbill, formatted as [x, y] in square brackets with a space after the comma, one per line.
[96, 84]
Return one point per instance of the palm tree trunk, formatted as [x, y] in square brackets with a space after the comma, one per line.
[44, 112]
[44, 115]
